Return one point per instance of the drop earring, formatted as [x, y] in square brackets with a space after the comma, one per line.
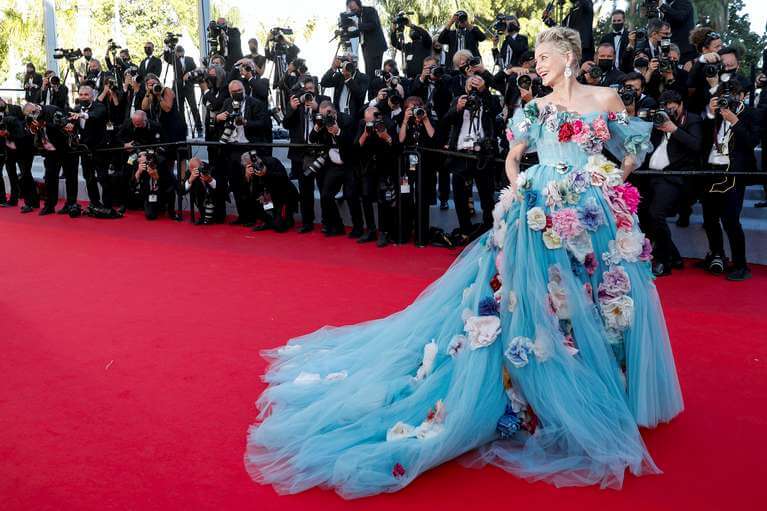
[568, 72]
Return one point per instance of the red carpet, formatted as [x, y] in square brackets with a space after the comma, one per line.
[130, 366]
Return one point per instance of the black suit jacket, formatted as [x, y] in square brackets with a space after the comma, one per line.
[745, 137]
[684, 146]
[518, 45]
[60, 97]
[344, 142]
[415, 51]
[295, 123]
[258, 122]
[625, 59]
[454, 119]
[373, 40]
[581, 19]
[32, 91]
[149, 134]
[94, 133]
[680, 15]
[189, 65]
[358, 87]
[471, 42]
[150, 65]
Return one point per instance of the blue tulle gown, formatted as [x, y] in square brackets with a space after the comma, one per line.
[542, 349]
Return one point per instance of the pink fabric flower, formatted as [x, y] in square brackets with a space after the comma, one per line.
[612, 116]
[630, 196]
[646, 254]
[566, 223]
[623, 221]
[591, 263]
[615, 283]
[398, 471]
[600, 129]
[581, 132]
[509, 135]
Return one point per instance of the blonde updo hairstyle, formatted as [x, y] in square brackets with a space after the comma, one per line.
[564, 40]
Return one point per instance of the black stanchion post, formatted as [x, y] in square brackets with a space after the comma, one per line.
[422, 209]
[399, 200]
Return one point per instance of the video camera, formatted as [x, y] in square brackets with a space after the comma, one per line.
[346, 21]
[216, 37]
[71, 54]
[171, 39]
[401, 20]
[112, 46]
[504, 23]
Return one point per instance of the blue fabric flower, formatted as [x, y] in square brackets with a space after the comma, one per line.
[518, 351]
[508, 424]
[488, 307]
[592, 215]
[531, 198]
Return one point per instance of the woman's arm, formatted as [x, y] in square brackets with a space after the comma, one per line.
[512, 163]
[615, 104]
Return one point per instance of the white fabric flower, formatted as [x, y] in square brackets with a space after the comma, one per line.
[618, 312]
[603, 171]
[506, 198]
[305, 378]
[518, 401]
[499, 233]
[429, 355]
[400, 431]
[628, 244]
[542, 347]
[536, 218]
[340, 375]
[521, 181]
[551, 239]
[552, 193]
[481, 331]
[512, 301]
[558, 297]
[580, 246]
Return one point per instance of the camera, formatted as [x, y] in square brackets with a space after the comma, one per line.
[255, 160]
[401, 19]
[306, 97]
[110, 81]
[216, 37]
[324, 121]
[316, 165]
[230, 129]
[651, 9]
[641, 34]
[665, 63]
[462, 16]
[204, 169]
[596, 72]
[727, 101]
[112, 46]
[198, 75]
[279, 33]
[375, 126]
[171, 39]
[628, 95]
[300, 66]
[419, 112]
[472, 62]
[436, 72]
[711, 70]
[348, 65]
[59, 120]
[657, 116]
[473, 101]
[346, 21]
[55, 81]
[157, 89]
[67, 53]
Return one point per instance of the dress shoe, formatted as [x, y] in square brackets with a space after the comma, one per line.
[47, 211]
[306, 228]
[334, 231]
[356, 232]
[383, 240]
[27, 209]
[64, 210]
[263, 226]
[739, 274]
[661, 269]
[368, 237]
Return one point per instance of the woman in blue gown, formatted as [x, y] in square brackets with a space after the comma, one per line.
[542, 349]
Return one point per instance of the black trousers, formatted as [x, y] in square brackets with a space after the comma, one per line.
[306, 187]
[95, 173]
[27, 185]
[373, 61]
[8, 161]
[187, 95]
[334, 177]
[661, 199]
[231, 157]
[723, 210]
[54, 163]
[464, 169]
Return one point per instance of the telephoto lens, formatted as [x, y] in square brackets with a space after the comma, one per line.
[157, 88]
[419, 112]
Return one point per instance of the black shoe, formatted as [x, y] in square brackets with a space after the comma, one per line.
[761, 204]
[121, 210]
[368, 237]
[47, 211]
[383, 240]
[64, 210]
[683, 221]
[716, 265]
[334, 231]
[199, 221]
[677, 264]
[703, 263]
[262, 227]
[356, 232]
[306, 228]
[661, 269]
[739, 274]
[27, 209]
[443, 205]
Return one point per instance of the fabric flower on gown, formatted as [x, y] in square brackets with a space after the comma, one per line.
[592, 216]
[566, 224]
[558, 300]
[600, 129]
[578, 181]
[553, 194]
[551, 239]
[536, 219]
[591, 263]
[603, 171]
[630, 196]
[580, 246]
[627, 245]
[618, 312]
[518, 351]
[615, 283]
[429, 355]
[481, 331]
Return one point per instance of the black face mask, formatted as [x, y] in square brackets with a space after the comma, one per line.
[641, 63]
[30, 71]
[617, 27]
[513, 27]
[605, 64]
[88, 57]
[148, 51]
[85, 104]
[237, 96]
[253, 50]
[211, 82]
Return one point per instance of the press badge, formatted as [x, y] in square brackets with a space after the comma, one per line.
[152, 197]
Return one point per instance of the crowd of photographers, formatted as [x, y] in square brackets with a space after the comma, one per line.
[438, 95]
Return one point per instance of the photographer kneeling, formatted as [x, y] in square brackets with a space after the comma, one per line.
[677, 138]
[201, 185]
[268, 194]
[471, 121]
[153, 183]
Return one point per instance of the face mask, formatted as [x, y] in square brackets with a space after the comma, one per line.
[641, 63]
[617, 27]
[85, 104]
[148, 51]
[672, 112]
[253, 50]
[88, 57]
[605, 64]
[237, 96]
[30, 71]
[513, 27]
[210, 81]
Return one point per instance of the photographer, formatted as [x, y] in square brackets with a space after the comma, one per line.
[732, 134]
[82, 67]
[417, 49]
[677, 140]
[471, 121]
[468, 65]
[287, 66]
[376, 139]
[295, 73]
[201, 185]
[349, 85]
[387, 78]
[371, 34]
[619, 39]
[712, 69]
[666, 74]
[681, 17]
[121, 63]
[603, 73]
[88, 119]
[244, 119]
[53, 92]
[133, 92]
[32, 83]
[336, 130]
[268, 195]
[160, 105]
[152, 183]
[149, 65]
[137, 131]
[657, 31]
[299, 121]
[464, 36]
[19, 151]
[10, 127]
[519, 84]
[214, 93]
[633, 96]
[225, 41]
[250, 74]
[182, 67]
[114, 102]
[94, 77]
[514, 44]
[581, 19]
